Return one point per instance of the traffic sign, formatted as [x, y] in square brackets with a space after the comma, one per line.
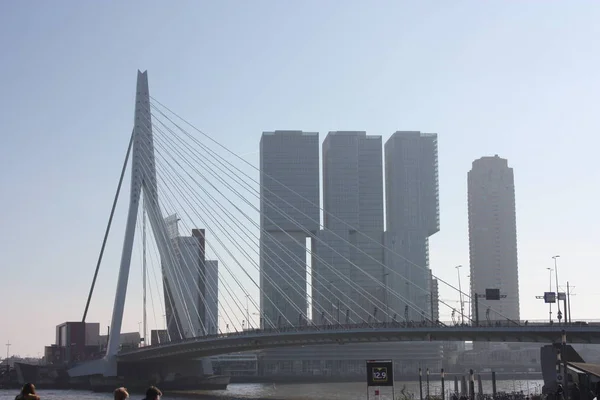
[549, 297]
[380, 373]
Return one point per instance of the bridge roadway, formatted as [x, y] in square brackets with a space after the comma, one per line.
[211, 345]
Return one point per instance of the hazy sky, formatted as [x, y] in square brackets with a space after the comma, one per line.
[518, 79]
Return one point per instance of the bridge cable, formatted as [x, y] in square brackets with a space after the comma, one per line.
[218, 203]
[242, 197]
[180, 280]
[238, 226]
[237, 223]
[207, 243]
[418, 309]
[328, 213]
[110, 218]
[225, 266]
[208, 225]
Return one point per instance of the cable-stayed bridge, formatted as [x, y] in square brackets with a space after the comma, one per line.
[348, 334]
[205, 284]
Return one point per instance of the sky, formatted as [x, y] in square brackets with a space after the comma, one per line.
[517, 79]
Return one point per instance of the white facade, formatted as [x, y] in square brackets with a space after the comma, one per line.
[289, 212]
[353, 182]
[493, 237]
[411, 182]
[212, 296]
[347, 282]
[289, 181]
[348, 255]
[412, 215]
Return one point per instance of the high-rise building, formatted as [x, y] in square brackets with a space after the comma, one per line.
[349, 252]
[191, 296]
[412, 215]
[212, 296]
[353, 182]
[289, 212]
[184, 291]
[493, 237]
[347, 268]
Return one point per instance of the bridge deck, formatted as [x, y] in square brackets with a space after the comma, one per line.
[344, 334]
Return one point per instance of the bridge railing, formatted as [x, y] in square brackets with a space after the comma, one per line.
[378, 325]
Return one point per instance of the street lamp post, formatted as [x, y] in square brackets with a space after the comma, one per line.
[550, 291]
[555, 258]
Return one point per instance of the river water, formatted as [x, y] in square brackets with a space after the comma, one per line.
[305, 391]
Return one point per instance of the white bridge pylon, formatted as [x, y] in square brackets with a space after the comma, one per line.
[143, 179]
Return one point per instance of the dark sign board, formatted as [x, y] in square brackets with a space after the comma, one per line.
[562, 296]
[380, 373]
[492, 294]
[549, 297]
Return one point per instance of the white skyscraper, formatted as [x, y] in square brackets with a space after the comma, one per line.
[349, 251]
[412, 215]
[353, 182]
[493, 237]
[289, 211]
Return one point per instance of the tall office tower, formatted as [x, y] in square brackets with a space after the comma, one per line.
[347, 261]
[212, 296]
[289, 212]
[493, 237]
[185, 297]
[412, 215]
[353, 182]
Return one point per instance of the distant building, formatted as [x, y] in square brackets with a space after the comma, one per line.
[347, 265]
[412, 216]
[191, 301]
[289, 211]
[350, 283]
[212, 296]
[493, 237]
[81, 341]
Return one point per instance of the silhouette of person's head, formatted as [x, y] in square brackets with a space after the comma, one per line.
[28, 388]
[121, 393]
[153, 393]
